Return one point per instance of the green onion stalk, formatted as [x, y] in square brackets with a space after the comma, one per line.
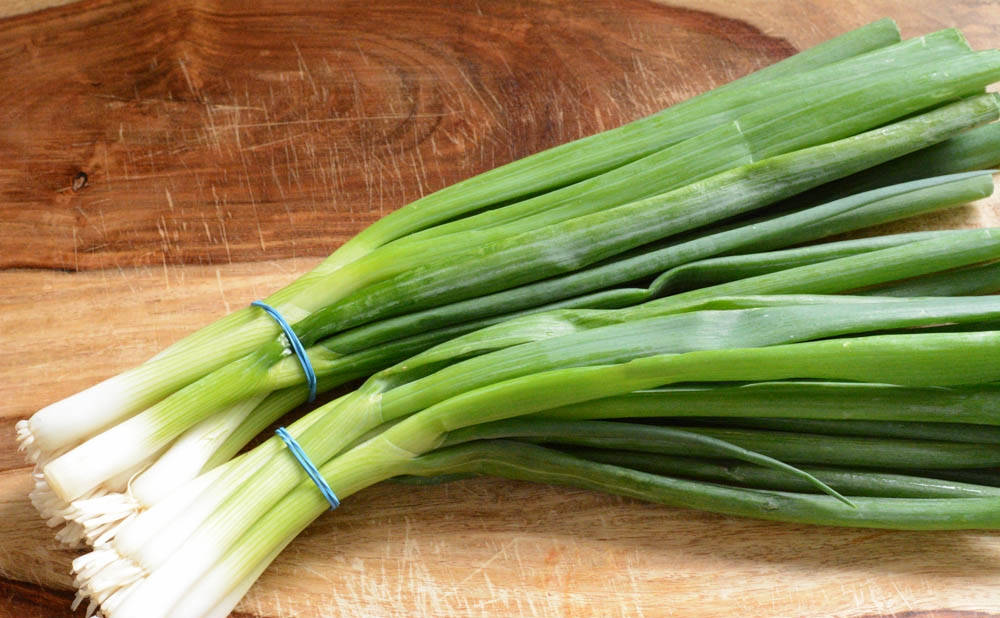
[974, 149]
[971, 433]
[199, 576]
[519, 259]
[911, 502]
[854, 482]
[823, 401]
[869, 49]
[867, 465]
[266, 475]
[793, 447]
[851, 482]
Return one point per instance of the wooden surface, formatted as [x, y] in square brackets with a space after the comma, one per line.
[163, 163]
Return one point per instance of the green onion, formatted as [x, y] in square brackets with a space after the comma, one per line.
[978, 279]
[631, 437]
[975, 149]
[935, 505]
[799, 448]
[850, 481]
[938, 431]
[978, 404]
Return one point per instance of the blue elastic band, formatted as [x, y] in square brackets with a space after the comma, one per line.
[308, 466]
[297, 346]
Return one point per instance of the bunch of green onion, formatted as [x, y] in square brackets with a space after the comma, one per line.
[632, 312]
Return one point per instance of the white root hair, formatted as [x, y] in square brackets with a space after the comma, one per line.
[26, 442]
[100, 517]
[104, 578]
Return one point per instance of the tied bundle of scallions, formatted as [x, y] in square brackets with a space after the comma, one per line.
[629, 312]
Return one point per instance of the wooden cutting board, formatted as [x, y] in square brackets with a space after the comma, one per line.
[164, 163]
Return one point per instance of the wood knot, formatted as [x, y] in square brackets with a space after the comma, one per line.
[79, 181]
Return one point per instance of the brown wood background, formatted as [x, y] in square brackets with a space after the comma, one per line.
[162, 163]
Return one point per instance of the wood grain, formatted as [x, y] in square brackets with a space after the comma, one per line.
[227, 146]
[210, 130]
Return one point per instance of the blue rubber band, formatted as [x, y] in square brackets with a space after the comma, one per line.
[297, 346]
[308, 466]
